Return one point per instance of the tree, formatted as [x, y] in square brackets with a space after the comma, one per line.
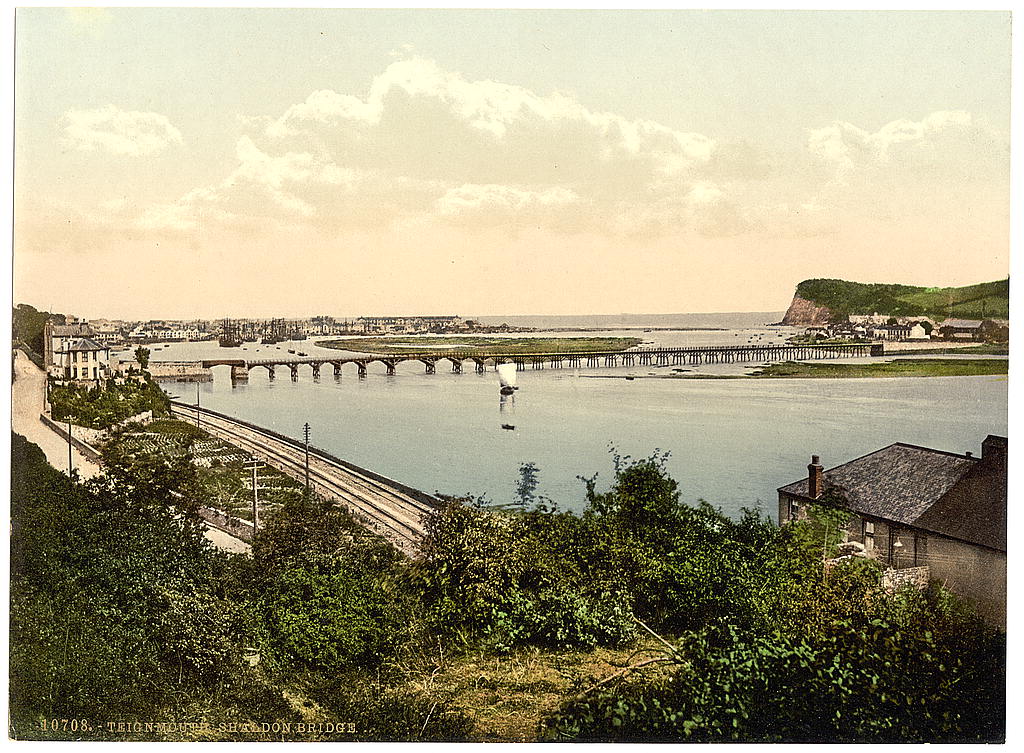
[142, 356]
[526, 487]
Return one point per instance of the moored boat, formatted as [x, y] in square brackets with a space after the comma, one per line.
[507, 378]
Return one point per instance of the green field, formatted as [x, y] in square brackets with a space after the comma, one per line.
[901, 367]
[495, 345]
[987, 349]
[986, 300]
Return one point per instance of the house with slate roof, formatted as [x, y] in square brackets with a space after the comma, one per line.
[960, 329]
[915, 507]
[82, 360]
[56, 338]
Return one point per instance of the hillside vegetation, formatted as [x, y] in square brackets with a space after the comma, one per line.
[641, 619]
[986, 300]
[27, 325]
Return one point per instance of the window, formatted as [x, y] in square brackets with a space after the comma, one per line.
[794, 509]
[869, 536]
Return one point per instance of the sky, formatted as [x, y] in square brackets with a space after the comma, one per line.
[198, 163]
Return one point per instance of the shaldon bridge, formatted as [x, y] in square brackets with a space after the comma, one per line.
[240, 368]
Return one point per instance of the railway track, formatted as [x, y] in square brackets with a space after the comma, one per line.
[387, 508]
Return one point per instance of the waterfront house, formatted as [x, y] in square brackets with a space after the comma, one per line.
[891, 332]
[56, 338]
[918, 332]
[932, 514]
[960, 329]
[82, 360]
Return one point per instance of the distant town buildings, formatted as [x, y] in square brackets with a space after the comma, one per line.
[409, 324]
[909, 329]
[166, 332]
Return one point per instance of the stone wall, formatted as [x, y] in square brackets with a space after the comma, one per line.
[240, 529]
[917, 577]
[84, 447]
[972, 572]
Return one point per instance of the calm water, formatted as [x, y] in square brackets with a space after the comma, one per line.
[732, 442]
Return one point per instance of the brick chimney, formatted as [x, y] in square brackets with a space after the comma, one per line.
[815, 479]
[993, 451]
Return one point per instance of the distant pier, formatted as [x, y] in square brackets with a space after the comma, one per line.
[480, 361]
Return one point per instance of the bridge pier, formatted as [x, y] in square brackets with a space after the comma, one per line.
[538, 364]
[239, 373]
[294, 368]
[456, 366]
[316, 370]
[390, 366]
[270, 369]
[479, 365]
[361, 365]
[430, 366]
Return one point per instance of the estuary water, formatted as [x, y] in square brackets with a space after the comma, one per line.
[731, 442]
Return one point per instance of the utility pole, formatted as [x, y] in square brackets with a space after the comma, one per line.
[305, 430]
[70, 464]
[197, 404]
[253, 465]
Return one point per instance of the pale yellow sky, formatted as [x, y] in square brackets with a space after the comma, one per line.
[181, 163]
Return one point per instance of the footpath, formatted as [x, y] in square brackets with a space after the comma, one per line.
[27, 396]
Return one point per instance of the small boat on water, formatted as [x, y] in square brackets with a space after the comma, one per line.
[507, 378]
[303, 354]
[510, 427]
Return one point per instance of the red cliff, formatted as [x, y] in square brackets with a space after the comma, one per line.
[806, 313]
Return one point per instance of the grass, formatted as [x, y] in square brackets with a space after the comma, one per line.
[901, 367]
[507, 696]
[491, 345]
[988, 349]
[984, 300]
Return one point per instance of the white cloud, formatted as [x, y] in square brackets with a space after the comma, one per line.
[503, 114]
[118, 131]
[470, 197]
[423, 143]
[847, 148]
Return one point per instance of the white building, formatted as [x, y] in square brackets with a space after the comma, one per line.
[56, 338]
[82, 360]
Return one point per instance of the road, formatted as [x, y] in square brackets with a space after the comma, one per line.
[27, 395]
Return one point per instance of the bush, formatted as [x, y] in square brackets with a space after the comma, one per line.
[102, 407]
[114, 605]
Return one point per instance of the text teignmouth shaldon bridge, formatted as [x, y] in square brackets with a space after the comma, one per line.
[556, 360]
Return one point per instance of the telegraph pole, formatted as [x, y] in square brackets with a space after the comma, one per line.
[253, 465]
[305, 430]
[197, 404]
[69, 449]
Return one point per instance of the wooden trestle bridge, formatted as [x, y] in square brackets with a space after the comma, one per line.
[240, 368]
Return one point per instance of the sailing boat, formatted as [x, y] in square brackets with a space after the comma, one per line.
[507, 377]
